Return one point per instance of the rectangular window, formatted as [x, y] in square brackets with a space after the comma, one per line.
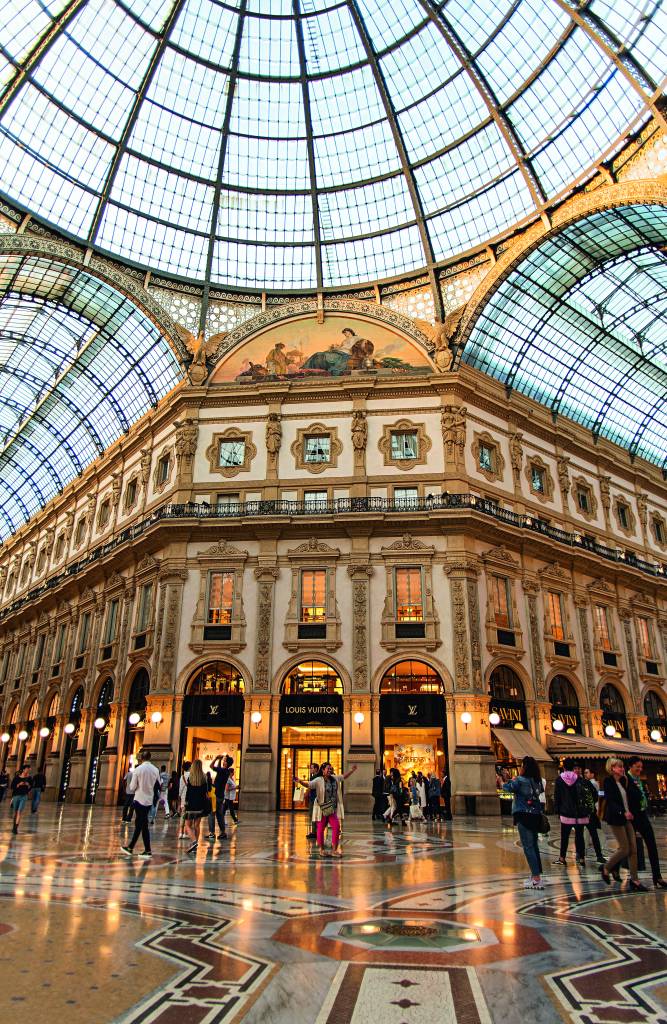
[80, 531]
[645, 639]
[602, 626]
[60, 644]
[502, 601]
[60, 547]
[486, 457]
[404, 497]
[84, 633]
[145, 603]
[20, 661]
[555, 609]
[583, 499]
[409, 606]
[112, 618]
[313, 595]
[131, 494]
[537, 479]
[39, 651]
[316, 497]
[317, 448]
[220, 597]
[623, 515]
[228, 499]
[5, 667]
[105, 513]
[404, 444]
[163, 470]
[659, 530]
[232, 453]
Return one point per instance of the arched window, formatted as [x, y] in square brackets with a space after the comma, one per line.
[654, 709]
[312, 677]
[54, 704]
[77, 703]
[217, 677]
[15, 715]
[411, 677]
[106, 695]
[563, 693]
[33, 712]
[611, 700]
[139, 691]
[505, 684]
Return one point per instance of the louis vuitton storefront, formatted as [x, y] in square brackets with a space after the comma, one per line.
[413, 729]
[213, 715]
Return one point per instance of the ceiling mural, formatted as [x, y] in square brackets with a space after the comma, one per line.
[303, 349]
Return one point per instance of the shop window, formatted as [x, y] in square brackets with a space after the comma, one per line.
[54, 704]
[317, 448]
[220, 597]
[505, 684]
[611, 700]
[408, 591]
[406, 497]
[231, 453]
[411, 677]
[312, 677]
[217, 678]
[313, 595]
[562, 692]
[654, 709]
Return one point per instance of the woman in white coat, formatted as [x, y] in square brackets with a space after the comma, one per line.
[328, 804]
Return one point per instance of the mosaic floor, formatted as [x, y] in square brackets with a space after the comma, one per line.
[416, 926]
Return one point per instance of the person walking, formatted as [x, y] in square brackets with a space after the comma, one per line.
[394, 798]
[172, 795]
[163, 799]
[21, 785]
[327, 788]
[128, 803]
[230, 797]
[421, 790]
[433, 797]
[220, 766]
[4, 784]
[142, 786]
[38, 787]
[446, 794]
[182, 788]
[312, 804]
[416, 813]
[570, 806]
[196, 802]
[639, 803]
[619, 817]
[526, 814]
[378, 795]
[592, 797]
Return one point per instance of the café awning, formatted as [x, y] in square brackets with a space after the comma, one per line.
[520, 743]
[587, 746]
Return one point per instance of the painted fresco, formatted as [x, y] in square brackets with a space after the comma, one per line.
[302, 349]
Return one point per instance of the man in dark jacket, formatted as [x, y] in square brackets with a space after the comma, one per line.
[446, 794]
[591, 794]
[638, 803]
[570, 806]
[379, 798]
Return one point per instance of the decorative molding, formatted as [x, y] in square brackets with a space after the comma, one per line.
[516, 456]
[461, 646]
[213, 452]
[453, 420]
[265, 591]
[404, 426]
[161, 485]
[580, 483]
[535, 461]
[222, 549]
[555, 573]
[629, 530]
[563, 470]
[589, 675]
[501, 557]
[475, 635]
[536, 655]
[497, 470]
[656, 518]
[314, 546]
[408, 543]
[316, 430]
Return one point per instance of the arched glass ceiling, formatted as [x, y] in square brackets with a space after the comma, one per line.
[293, 144]
[581, 326]
[79, 364]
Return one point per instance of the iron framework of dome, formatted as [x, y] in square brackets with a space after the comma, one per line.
[302, 144]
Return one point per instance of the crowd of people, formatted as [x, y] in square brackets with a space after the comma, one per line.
[581, 805]
[418, 798]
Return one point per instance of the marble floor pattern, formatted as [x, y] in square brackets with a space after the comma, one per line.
[422, 925]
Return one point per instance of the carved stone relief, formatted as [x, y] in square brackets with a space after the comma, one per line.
[632, 661]
[460, 635]
[475, 636]
[589, 675]
[266, 578]
[536, 647]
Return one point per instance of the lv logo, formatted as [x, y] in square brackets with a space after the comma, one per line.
[213, 709]
[412, 709]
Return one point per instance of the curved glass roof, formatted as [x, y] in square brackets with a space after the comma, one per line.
[79, 364]
[298, 144]
[581, 326]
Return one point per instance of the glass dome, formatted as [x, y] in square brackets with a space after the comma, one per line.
[299, 144]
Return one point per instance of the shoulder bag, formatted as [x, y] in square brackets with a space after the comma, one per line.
[543, 823]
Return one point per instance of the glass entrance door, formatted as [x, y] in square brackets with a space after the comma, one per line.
[297, 761]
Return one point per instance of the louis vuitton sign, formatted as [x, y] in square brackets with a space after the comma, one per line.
[311, 709]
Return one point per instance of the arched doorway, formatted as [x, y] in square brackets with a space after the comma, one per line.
[413, 724]
[213, 715]
[565, 715]
[507, 711]
[100, 737]
[311, 726]
[71, 733]
[614, 718]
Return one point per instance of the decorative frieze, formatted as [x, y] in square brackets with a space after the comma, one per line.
[359, 574]
[266, 577]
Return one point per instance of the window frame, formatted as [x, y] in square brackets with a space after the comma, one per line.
[221, 610]
[412, 570]
[321, 617]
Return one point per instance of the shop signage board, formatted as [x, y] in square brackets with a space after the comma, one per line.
[418, 709]
[311, 709]
[511, 712]
[221, 710]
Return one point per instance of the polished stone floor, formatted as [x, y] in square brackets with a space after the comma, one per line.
[416, 926]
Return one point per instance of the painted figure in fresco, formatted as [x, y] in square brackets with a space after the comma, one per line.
[336, 359]
[276, 360]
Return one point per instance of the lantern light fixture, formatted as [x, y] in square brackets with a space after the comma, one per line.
[558, 725]
[466, 718]
[256, 718]
[494, 718]
[5, 738]
[99, 723]
[655, 735]
[44, 732]
[609, 730]
[69, 728]
[134, 718]
[359, 718]
[23, 735]
[156, 717]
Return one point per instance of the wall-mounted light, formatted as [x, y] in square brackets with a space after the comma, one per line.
[494, 718]
[134, 718]
[69, 728]
[655, 735]
[256, 718]
[5, 738]
[557, 725]
[466, 718]
[44, 732]
[610, 730]
[359, 718]
[156, 717]
[99, 723]
[23, 735]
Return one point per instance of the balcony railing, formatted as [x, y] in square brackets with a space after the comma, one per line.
[341, 507]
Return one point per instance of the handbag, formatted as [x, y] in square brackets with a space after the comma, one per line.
[543, 823]
[328, 808]
[297, 795]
